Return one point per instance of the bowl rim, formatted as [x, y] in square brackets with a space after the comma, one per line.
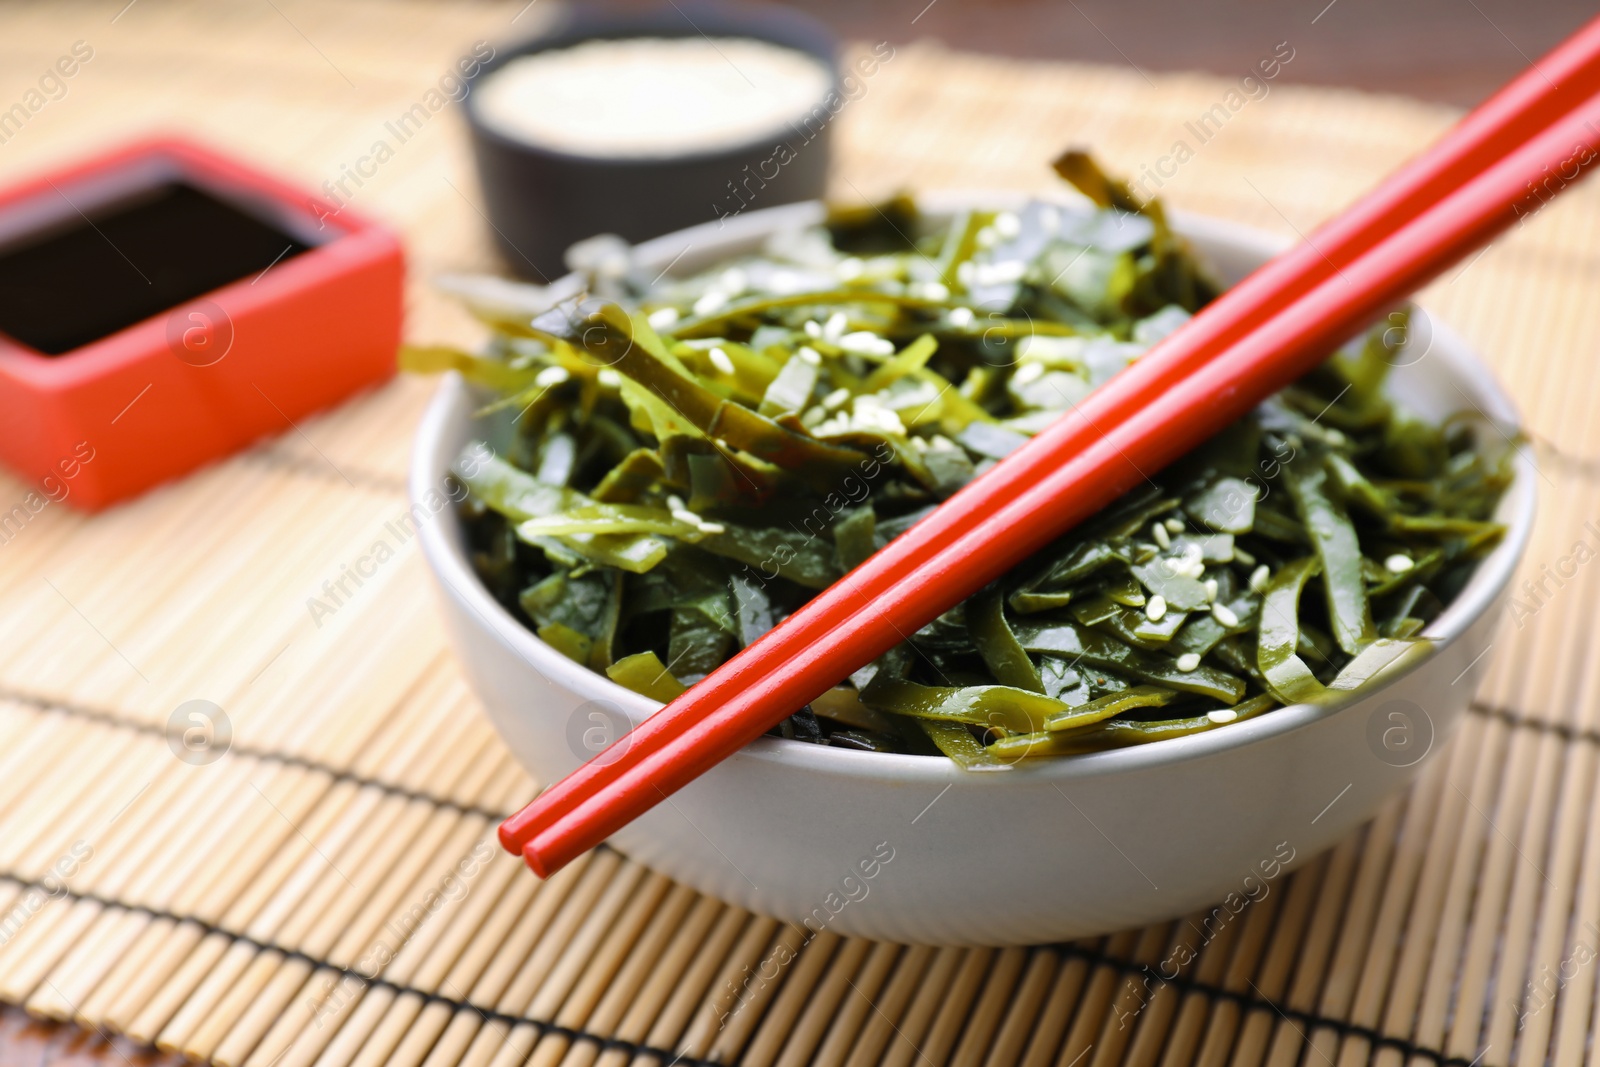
[444, 548]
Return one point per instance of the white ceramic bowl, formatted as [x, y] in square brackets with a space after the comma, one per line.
[911, 849]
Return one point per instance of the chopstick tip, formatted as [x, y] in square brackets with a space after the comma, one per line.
[536, 863]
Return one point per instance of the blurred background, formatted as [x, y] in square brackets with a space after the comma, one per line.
[1448, 51]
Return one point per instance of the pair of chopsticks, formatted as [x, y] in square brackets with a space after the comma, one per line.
[1530, 141]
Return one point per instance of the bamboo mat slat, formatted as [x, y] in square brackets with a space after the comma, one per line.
[243, 911]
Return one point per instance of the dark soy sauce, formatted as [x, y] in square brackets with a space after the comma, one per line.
[92, 276]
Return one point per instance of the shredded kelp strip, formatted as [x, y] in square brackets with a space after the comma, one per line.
[673, 466]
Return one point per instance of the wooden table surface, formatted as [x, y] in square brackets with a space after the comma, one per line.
[26, 1042]
[1450, 51]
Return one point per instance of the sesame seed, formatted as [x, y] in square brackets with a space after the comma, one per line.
[663, 318]
[712, 528]
[1003, 273]
[866, 343]
[835, 327]
[551, 377]
[935, 291]
[961, 318]
[1211, 588]
[1175, 525]
[1155, 608]
[836, 399]
[810, 355]
[1159, 532]
[1222, 715]
[1028, 373]
[1224, 614]
[987, 237]
[874, 419]
[711, 303]
[812, 329]
[720, 360]
[811, 418]
[685, 516]
[1243, 557]
[610, 378]
[1259, 578]
[1398, 563]
[850, 268]
[1007, 225]
[1188, 661]
[675, 503]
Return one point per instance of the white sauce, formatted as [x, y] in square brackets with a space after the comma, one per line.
[654, 97]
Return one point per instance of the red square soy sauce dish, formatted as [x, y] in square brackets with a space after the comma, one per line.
[164, 305]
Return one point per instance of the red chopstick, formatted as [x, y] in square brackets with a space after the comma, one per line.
[1168, 424]
[1568, 74]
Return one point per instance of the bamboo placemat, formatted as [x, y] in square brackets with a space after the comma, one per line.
[241, 910]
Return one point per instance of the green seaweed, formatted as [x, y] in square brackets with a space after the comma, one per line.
[681, 465]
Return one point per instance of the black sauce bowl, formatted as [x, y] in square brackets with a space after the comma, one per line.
[540, 201]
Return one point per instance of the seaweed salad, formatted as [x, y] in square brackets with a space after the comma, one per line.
[673, 464]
